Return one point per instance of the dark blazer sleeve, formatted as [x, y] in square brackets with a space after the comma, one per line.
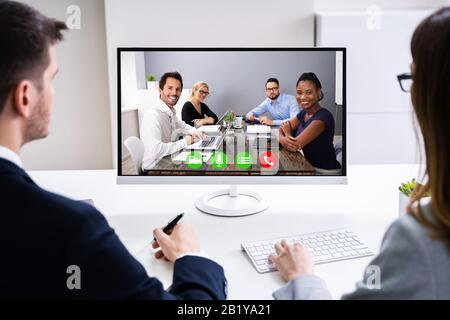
[204, 277]
[187, 113]
[109, 271]
[209, 113]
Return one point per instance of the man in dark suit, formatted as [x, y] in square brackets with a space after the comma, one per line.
[51, 246]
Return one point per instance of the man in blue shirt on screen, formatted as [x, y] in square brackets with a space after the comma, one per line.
[281, 106]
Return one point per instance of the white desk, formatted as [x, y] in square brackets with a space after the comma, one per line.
[368, 204]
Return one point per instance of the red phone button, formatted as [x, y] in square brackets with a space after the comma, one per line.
[267, 160]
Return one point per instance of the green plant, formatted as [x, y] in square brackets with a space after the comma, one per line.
[408, 187]
[229, 117]
[151, 77]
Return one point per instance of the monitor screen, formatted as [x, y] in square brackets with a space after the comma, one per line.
[231, 115]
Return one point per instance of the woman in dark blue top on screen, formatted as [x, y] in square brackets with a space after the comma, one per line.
[312, 130]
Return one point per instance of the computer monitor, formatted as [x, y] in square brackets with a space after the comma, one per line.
[237, 147]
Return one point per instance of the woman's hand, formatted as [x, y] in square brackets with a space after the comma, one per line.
[292, 260]
[286, 128]
[290, 143]
[198, 122]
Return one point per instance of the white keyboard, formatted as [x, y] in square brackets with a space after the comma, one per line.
[325, 246]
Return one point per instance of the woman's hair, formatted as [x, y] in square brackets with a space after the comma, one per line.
[197, 87]
[311, 76]
[430, 95]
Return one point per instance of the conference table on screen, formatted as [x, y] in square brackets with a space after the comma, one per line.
[239, 140]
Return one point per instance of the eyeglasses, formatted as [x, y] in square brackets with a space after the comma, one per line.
[272, 89]
[203, 92]
[405, 81]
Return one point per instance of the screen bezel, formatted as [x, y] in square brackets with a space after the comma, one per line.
[246, 180]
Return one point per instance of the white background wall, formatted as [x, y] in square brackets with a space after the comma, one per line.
[204, 23]
[380, 118]
[82, 131]
[374, 136]
[383, 4]
[80, 127]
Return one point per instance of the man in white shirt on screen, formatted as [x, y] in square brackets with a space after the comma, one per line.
[160, 124]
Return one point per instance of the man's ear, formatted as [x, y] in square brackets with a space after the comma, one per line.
[23, 95]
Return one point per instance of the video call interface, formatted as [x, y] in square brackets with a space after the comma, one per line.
[232, 112]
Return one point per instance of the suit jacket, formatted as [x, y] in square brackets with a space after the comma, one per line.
[411, 265]
[42, 234]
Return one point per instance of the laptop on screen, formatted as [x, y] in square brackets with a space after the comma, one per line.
[210, 143]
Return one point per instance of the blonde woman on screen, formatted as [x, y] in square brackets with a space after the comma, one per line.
[195, 112]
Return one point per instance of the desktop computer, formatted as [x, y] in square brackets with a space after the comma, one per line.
[250, 153]
[255, 151]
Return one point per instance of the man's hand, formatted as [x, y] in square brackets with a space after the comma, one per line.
[182, 240]
[251, 117]
[292, 260]
[266, 121]
[199, 135]
[189, 139]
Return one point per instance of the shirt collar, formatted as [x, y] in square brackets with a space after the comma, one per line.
[277, 100]
[10, 155]
[164, 108]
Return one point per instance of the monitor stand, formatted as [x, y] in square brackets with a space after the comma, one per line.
[231, 202]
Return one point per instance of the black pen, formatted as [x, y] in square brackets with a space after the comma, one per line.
[168, 228]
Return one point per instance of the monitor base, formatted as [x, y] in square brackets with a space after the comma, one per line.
[231, 203]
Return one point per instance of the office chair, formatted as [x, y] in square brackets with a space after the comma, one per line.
[136, 149]
[338, 150]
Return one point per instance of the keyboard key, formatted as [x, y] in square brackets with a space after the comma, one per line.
[259, 257]
[357, 247]
[323, 257]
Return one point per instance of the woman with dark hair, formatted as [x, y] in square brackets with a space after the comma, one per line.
[312, 130]
[414, 260]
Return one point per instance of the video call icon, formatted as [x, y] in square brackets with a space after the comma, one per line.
[268, 160]
[194, 160]
[244, 160]
[219, 160]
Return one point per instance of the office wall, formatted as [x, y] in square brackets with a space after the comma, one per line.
[80, 129]
[380, 126]
[383, 4]
[237, 79]
[203, 23]
[380, 118]
[130, 117]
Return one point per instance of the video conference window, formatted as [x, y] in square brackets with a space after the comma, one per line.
[231, 112]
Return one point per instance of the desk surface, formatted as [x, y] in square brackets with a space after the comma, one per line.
[367, 204]
[234, 142]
